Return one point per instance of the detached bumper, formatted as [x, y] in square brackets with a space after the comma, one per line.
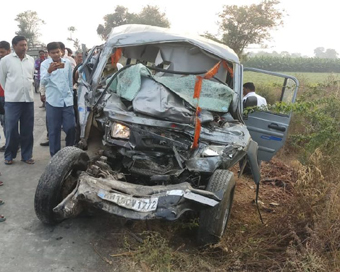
[135, 201]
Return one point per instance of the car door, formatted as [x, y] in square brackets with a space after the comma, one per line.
[269, 129]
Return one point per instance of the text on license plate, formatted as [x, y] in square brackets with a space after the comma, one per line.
[129, 202]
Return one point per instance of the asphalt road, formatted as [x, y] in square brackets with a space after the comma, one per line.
[26, 244]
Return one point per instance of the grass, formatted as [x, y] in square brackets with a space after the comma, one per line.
[154, 252]
[304, 78]
[270, 86]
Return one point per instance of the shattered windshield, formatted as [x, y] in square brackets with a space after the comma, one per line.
[214, 96]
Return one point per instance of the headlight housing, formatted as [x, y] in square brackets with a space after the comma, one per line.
[213, 150]
[120, 131]
[218, 150]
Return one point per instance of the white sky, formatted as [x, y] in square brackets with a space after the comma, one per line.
[309, 24]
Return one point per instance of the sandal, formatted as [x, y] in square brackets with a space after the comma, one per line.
[2, 218]
[29, 161]
[8, 162]
[1, 202]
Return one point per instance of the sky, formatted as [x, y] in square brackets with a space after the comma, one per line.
[308, 24]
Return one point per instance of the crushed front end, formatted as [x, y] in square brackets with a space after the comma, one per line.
[166, 126]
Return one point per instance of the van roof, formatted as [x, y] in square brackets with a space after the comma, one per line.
[135, 34]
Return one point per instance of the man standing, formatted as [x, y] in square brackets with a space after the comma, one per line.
[250, 98]
[37, 64]
[79, 57]
[69, 52]
[16, 78]
[56, 76]
[5, 49]
[64, 55]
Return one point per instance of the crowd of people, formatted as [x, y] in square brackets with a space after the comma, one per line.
[51, 74]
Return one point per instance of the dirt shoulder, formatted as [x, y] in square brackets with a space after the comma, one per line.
[170, 246]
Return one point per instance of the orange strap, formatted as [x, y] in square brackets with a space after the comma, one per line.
[198, 87]
[116, 57]
[213, 71]
[228, 68]
[197, 128]
[197, 93]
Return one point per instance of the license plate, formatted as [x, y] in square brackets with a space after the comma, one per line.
[129, 202]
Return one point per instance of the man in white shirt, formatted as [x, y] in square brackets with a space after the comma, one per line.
[250, 98]
[16, 78]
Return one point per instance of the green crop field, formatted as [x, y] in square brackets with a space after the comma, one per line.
[271, 86]
[304, 78]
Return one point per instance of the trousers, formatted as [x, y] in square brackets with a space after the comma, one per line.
[19, 115]
[57, 117]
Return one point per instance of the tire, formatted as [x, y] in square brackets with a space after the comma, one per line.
[58, 180]
[213, 221]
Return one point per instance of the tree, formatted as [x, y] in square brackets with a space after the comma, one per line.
[119, 17]
[297, 55]
[320, 52]
[29, 24]
[150, 15]
[76, 42]
[245, 25]
[331, 54]
[285, 54]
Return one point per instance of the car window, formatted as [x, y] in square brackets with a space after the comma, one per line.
[273, 88]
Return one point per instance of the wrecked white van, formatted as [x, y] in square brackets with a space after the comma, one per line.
[171, 126]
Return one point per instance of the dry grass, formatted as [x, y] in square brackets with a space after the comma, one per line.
[303, 234]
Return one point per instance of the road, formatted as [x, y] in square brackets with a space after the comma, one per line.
[26, 244]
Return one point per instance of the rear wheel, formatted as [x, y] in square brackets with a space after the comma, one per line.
[213, 221]
[58, 180]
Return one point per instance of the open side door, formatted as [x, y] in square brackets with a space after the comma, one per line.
[267, 128]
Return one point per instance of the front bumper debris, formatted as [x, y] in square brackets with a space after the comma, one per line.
[135, 201]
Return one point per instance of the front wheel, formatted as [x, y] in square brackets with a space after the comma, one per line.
[213, 221]
[58, 180]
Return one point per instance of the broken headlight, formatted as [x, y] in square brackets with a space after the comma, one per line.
[218, 150]
[120, 131]
[213, 150]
